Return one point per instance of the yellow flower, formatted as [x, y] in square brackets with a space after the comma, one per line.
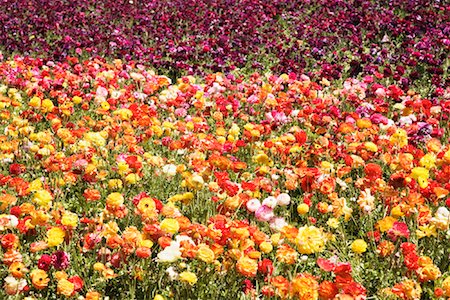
[114, 200]
[333, 223]
[146, 243]
[426, 231]
[359, 246]
[310, 239]
[421, 175]
[42, 198]
[65, 287]
[188, 277]
[98, 266]
[147, 208]
[115, 184]
[132, 178]
[204, 253]
[77, 99]
[263, 159]
[386, 223]
[47, 105]
[35, 102]
[419, 172]
[400, 138]
[170, 225]
[55, 236]
[428, 161]
[123, 113]
[69, 219]
[302, 209]
[370, 147]
[446, 286]
[266, 247]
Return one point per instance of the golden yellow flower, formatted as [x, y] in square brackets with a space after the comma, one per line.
[310, 239]
[39, 278]
[385, 224]
[115, 184]
[446, 286]
[266, 247]
[55, 236]
[302, 209]
[114, 200]
[359, 246]
[428, 161]
[170, 225]
[188, 277]
[42, 198]
[69, 219]
[147, 208]
[65, 287]
[204, 253]
[247, 266]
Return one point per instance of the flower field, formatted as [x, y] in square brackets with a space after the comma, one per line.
[225, 150]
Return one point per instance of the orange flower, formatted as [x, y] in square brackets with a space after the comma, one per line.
[327, 186]
[286, 254]
[327, 290]
[39, 279]
[92, 296]
[65, 287]
[305, 287]
[91, 195]
[247, 266]
[10, 241]
[17, 269]
[7, 200]
[281, 285]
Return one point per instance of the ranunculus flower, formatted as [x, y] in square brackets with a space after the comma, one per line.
[359, 246]
[55, 236]
[188, 277]
[247, 266]
[253, 205]
[39, 279]
[264, 213]
[60, 260]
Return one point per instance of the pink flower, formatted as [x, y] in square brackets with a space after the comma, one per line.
[264, 213]
[399, 229]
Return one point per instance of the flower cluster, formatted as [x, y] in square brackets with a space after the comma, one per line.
[118, 181]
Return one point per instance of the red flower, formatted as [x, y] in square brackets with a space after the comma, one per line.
[399, 229]
[265, 266]
[373, 171]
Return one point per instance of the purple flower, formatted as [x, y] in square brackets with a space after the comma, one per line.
[60, 260]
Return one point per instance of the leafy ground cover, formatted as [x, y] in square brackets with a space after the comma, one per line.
[224, 149]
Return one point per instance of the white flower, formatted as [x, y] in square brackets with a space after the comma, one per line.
[270, 202]
[171, 253]
[8, 222]
[173, 275]
[283, 199]
[253, 205]
[170, 170]
[277, 224]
